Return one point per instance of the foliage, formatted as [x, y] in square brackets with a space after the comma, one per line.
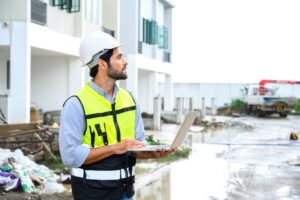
[298, 106]
[176, 155]
[237, 104]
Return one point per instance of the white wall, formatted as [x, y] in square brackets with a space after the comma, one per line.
[62, 21]
[111, 15]
[91, 26]
[143, 96]
[129, 25]
[147, 12]
[160, 21]
[14, 10]
[49, 82]
[223, 93]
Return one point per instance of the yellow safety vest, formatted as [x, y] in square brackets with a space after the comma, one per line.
[107, 123]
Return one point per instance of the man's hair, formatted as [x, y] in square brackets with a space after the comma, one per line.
[106, 58]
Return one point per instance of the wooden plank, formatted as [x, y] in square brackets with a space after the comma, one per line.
[10, 128]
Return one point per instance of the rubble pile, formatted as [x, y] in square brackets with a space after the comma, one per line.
[211, 124]
[19, 172]
[32, 139]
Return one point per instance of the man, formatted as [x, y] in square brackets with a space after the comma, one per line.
[100, 124]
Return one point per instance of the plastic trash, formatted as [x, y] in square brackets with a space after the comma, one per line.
[26, 183]
[9, 181]
[5, 169]
[26, 171]
[4, 178]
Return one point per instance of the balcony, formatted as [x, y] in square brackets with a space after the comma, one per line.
[38, 12]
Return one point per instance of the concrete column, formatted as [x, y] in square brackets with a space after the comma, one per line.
[157, 113]
[191, 105]
[185, 105]
[213, 106]
[20, 61]
[179, 108]
[203, 109]
[168, 96]
[76, 75]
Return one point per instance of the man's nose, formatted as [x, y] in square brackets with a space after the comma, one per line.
[125, 61]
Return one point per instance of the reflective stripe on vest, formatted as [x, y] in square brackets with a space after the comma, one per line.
[102, 175]
[107, 123]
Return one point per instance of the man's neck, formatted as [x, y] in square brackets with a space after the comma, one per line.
[107, 85]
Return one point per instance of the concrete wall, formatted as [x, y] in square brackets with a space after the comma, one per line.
[129, 25]
[160, 18]
[111, 16]
[142, 97]
[68, 23]
[14, 10]
[148, 11]
[90, 26]
[223, 93]
[147, 89]
[49, 81]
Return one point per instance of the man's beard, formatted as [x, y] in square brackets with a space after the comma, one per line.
[112, 73]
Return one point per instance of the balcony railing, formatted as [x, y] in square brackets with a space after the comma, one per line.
[167, 57]
[108, 31]
[39, 12]
[140, 47]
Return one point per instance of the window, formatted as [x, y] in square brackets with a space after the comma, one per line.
[70, 6]
[65, 6]
[74, 6]
[154, 34]
[56, 2]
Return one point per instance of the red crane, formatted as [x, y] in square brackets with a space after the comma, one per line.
[263, 82]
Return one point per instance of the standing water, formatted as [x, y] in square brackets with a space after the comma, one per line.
[235, 162]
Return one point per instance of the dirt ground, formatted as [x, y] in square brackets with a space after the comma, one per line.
[228, 163]
[24, 196]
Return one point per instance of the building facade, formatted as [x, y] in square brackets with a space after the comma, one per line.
[39, 57]
[145, 30]
[39, 43]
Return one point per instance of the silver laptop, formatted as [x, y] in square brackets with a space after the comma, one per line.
[184, 128]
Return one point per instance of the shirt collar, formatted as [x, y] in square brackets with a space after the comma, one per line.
[103, 93]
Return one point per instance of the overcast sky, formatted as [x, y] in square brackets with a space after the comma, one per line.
[236, 40]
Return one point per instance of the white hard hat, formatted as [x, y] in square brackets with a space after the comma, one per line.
[94, 45]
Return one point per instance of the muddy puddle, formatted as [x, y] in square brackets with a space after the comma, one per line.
[246, 161]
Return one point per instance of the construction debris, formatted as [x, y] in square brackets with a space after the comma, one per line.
[18, 171]
[293, 136]
[33, 140]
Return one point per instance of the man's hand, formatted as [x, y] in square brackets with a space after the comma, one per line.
[125, 145]
[100, 153]
[154, 154]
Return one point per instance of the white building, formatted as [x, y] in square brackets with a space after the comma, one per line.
[39, 42]
[145, 30]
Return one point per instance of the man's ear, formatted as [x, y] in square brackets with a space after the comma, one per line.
[102, 64]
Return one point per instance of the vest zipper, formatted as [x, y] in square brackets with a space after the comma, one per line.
[115, 121]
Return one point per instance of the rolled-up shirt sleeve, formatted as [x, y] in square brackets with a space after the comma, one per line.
[72, 127]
